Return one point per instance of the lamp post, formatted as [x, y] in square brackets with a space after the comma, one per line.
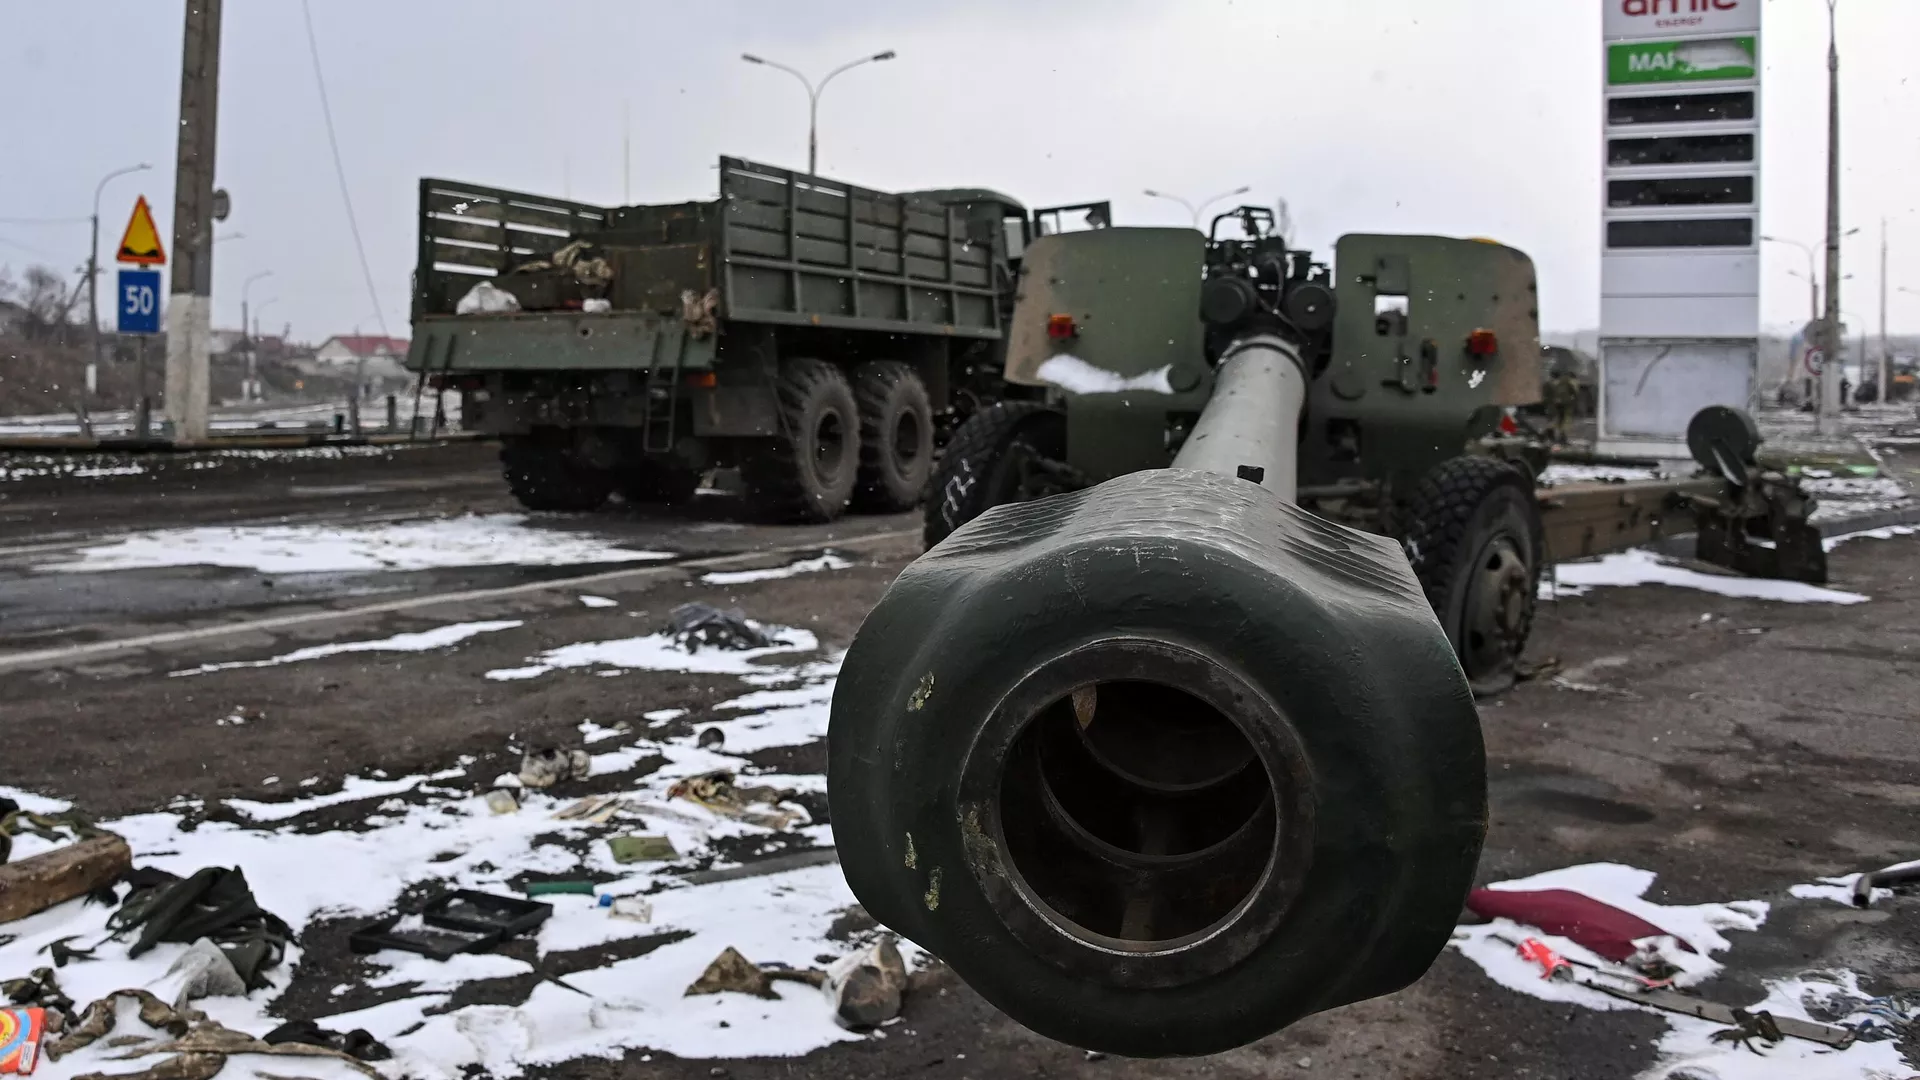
[813, 97]
[93, 274]
[1204, 203]
[1827, 419]
[249, 391]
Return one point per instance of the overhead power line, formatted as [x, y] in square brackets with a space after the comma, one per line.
[339, 170]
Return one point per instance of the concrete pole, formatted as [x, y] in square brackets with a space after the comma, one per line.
[1886, 373]
[190, 312]
[1828, 422]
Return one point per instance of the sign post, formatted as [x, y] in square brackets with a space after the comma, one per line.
[138, 294]
[1680, 260]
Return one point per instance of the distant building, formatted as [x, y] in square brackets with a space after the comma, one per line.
[346, 350]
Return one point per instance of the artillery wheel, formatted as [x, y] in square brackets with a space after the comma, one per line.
[896, 436]
[547, 478]
[654, 480]
[807, 471]
[1012, 451]
[1474, 537]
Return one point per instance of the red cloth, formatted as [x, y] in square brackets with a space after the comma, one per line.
[1604, 929]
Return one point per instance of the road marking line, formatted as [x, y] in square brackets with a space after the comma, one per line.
[53, 657]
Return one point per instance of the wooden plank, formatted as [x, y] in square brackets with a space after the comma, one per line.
[444, 252]
[38, 882]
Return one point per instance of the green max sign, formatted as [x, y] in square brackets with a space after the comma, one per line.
[1680, 61]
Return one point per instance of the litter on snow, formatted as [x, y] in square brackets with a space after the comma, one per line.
[657, 652]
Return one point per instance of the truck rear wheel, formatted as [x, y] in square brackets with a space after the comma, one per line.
[652, 480]
[1474, 537]
[547, 478]
[1011, 451]
[896, 436]
[807, 471]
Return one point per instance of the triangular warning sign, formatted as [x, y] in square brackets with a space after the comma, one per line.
[141, 242]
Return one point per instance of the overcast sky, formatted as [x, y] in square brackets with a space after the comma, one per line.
[1462, 117]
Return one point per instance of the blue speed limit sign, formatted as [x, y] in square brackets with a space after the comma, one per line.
[139, 294]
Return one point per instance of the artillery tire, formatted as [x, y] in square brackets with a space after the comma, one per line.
[979, 469]
[650, 480]
[806, 472]
[544, 478]
[896, 436]
[1473, 534]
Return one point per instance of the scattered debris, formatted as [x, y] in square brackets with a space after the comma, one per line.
[204, 971]
[633, 849]
[464, 920]
[502, 800]
[717, 792]
[710, 739]
[40, 991]
[38, 882]
[1762, 1024]
[731, 972]
[20, 1033]
[1599, 927]
[634, 908]
[866, 987]
[545, 768]
[215, 903]
[357, 1043]
[559, 888]
[1891, 877]
[594, 809]
[695, 624]
[486, 298]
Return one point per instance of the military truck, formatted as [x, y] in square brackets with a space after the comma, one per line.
[1412, 354]
[815, 335]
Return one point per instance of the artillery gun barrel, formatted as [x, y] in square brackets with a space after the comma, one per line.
[1252, 421]
[1163, 765]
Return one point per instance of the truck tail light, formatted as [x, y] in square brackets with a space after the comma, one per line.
[1061, 327]
[701, 380]
[1507, 424]
[1482, 343]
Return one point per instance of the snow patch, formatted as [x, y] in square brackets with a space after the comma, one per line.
[437, 638]
[803, 566]
[599, 602]
[658, 652]
[473, 540]
[1069, 372]
[1641, 567]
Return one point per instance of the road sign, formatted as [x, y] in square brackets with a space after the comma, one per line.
[139, 294]
[1815, 359]
[141, 242]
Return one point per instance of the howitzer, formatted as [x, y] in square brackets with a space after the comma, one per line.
[1156, 759]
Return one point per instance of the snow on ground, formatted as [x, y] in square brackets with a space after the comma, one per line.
[1564, 473]
[1641, 567]
[802, 566]
[599, 601]
[1845, 496]
[1884, 533]
[23, 466]
[1686, 1049]
[658, 652]
[471, 540]
[427, 833]
[439, 637]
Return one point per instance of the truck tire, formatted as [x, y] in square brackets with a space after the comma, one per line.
[546, 478]
[984, 463]
[651, 480]
[1472, 532]
[896, 436]
[807, 471]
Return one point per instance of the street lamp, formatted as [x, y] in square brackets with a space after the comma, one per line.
[1204, 203]
[813, 97]
[250, 390]
[93, 273]
[1813, 284]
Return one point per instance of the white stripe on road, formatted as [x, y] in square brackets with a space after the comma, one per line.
[53, 657]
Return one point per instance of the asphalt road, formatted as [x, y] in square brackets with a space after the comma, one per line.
[1735, 747]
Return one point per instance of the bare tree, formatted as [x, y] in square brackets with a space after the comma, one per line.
[48, 304]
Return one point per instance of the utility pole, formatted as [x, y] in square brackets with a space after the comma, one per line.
[1828, 422]
[190, 312]
[93, 275]
[249, 391]
[626, 152]
[1885, 363]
